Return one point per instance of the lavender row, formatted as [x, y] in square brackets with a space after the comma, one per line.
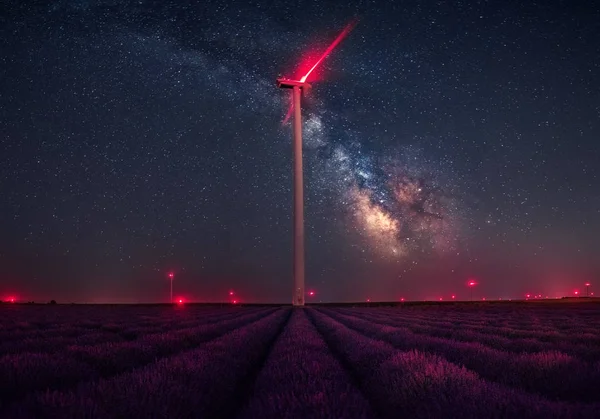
[174, 324]
[50, 345]
[48, 342]
[526, 318]
[302, 379]
[24, 318]
[419, 385]
[580, 343]
[113, 358]
[575, 330]
[588, 351]
[126, 325]
[206, 382]
[12, 318]
[551, 374]
[28, 372]
[544, 334]
[39, 315]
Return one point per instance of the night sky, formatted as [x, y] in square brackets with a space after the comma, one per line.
[443, 141]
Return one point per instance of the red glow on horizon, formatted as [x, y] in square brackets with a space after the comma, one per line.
[171, 275]
[472, 283]
[230, 292]
[453, 297]
[587, 284]
[311, 293]
[368, 300]
[234, 301]
[11, 299]
[180, 301]
[331, 47]
[576, 292]
[402, 299]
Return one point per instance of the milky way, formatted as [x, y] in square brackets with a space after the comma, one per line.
[396, 202]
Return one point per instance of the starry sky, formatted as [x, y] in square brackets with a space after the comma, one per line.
[443, 141]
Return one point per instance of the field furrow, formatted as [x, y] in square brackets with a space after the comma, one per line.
[302, 379]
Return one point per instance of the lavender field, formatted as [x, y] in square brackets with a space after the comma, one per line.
[412, 361]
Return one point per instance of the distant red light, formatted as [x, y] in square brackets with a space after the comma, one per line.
[171, 275]
[440, 298]
[483, 298]
[368, 300]
[587, 284]
[230, 292]
[453, 297]
[402, 299]
[234, 301]
[311, 293]
[11, 299]
[180, 301]
[576, 292]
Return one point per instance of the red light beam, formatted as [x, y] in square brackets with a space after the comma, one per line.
[331, 47]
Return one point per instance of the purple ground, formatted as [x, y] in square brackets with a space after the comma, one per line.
[457, 361]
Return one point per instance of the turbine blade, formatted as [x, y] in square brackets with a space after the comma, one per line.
[289, 113]
[337, 40]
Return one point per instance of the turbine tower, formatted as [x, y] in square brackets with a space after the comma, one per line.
[297, 87]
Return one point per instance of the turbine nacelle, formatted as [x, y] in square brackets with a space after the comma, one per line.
[284, 83]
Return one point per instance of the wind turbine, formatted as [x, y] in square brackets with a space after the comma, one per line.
[171, 277]
[297, 86]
